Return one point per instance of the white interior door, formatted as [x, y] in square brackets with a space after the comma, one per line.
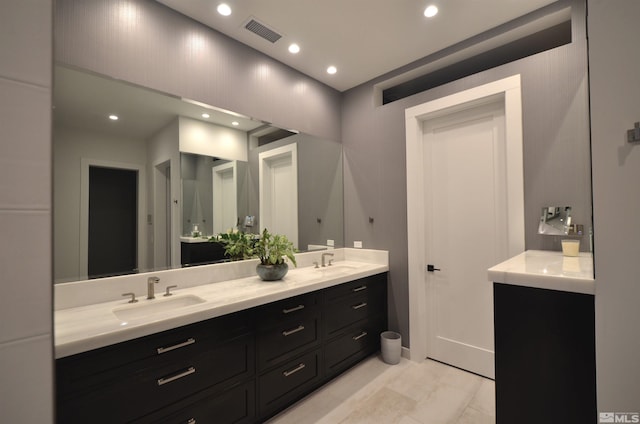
[466, 232]
[279, 191]
[225, 200]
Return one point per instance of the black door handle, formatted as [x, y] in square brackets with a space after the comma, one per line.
[432, 268]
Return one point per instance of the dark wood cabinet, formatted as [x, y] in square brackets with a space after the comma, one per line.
[126, 381]
[238, 368]
[544, 356]
[201, 253]
[354, 315]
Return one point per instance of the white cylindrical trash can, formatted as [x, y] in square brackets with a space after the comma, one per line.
[391, 347]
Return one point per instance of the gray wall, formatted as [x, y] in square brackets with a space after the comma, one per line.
[157, 50]
[26, 382]
[556, 155]
[615, 89]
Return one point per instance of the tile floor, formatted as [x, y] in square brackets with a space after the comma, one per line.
[408, 393]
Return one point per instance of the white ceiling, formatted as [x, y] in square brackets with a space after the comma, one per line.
[85, 100]
[362, 38]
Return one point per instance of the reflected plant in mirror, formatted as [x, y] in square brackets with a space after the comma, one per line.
[238, 245]
[189, 178]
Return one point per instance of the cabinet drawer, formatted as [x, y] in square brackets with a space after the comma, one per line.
[355, 343]
[75, 372]
[286, 339]
[288, 382]
[139, 388]
[375, 282]
[236, 405]
[346, 310]
[288, 309]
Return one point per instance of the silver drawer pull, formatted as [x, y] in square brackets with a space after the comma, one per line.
[297, 308]
[357, 289]
[359, 336]
[300, 367]
[358, 306]
[185, 373]
[187, 342]
[191, 421]
[293, 331]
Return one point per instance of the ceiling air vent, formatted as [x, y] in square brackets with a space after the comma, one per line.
[262, 30]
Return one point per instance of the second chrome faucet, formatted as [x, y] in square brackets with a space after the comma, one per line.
[323, 256]
[150, 287]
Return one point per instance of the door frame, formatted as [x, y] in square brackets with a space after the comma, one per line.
[85, 164]
[509, 89]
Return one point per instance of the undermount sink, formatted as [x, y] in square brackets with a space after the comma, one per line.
[150, 307]
[338, 268]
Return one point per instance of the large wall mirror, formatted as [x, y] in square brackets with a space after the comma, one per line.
[140, 176]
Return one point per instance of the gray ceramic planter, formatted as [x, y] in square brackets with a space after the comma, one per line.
[272, 272]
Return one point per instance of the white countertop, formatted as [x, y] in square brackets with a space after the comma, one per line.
[201, 239]
[83, 328]
[547, 270]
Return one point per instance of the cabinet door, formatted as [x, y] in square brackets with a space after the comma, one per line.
[286, 339]
[288, 382]
[357, 342]
[234, 406]
[356, 301]
[545, 356]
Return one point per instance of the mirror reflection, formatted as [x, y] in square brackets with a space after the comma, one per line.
[190, 170]
[555, 220]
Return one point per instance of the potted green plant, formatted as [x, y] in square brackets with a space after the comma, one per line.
[238, 245]
[273, 250]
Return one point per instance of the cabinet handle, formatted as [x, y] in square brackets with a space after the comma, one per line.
[293, 331]
[300, 367]
[184, 373]
[359, 336]
[297, 308]
[357, 289]
[358, 306]
[187, 342]
[191, 421]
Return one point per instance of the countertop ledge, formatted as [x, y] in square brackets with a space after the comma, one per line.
[85, 328]
[547, 270]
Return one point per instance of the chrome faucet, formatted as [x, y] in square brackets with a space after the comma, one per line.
[326, 254]
[150, 289]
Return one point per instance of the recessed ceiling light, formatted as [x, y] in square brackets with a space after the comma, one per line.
[430, 11]
[235, 123]
[294, 48]
[205, 115]
[224, 9]
[113, 117]
[332, 70]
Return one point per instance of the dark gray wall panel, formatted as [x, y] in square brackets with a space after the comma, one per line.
[556, 155]
[148, 44]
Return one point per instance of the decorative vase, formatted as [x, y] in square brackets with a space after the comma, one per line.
[272, 272]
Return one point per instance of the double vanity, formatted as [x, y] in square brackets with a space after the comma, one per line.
[224, 346]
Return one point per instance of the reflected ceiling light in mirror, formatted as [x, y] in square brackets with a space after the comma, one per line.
[294, 48]
[196, 42]
[128, 12]
[430, 11]
[332, 70]
[224, 9]
[113, 117]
